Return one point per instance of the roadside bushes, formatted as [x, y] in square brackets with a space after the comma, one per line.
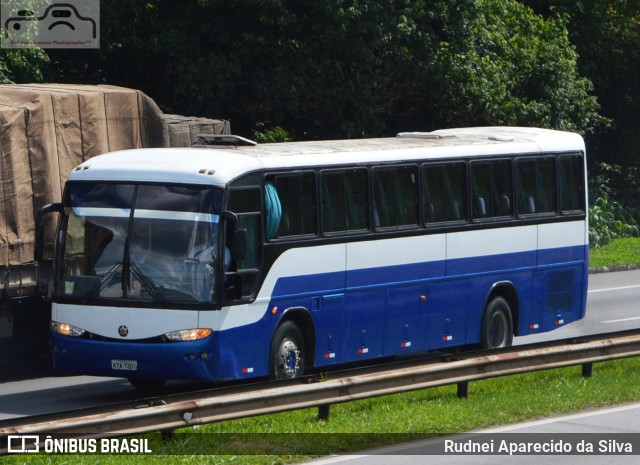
[609, 217]
[609, 220]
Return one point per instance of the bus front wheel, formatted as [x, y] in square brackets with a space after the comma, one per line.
[287, 352]
[497, 325]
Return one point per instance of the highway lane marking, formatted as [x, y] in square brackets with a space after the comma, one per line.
[613, 289]
[406, 448]
[562, 418]
[620, 320]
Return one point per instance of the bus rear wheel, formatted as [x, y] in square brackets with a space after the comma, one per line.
[497, 325]
[287, 352]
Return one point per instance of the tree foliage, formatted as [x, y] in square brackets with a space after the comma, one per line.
[513, 67]
[606, 34]
[342, 68]
[21, 65]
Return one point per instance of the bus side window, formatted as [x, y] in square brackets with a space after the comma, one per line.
[395, 194]
[434, 194]
[571, 184]
[547, 198]
[295, 196]
[344, 200]
[491, 188]
[536, 179]
[444, 196]
[333, 202]
[456, 191]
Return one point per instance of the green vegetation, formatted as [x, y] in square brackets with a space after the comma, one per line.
[621, 252]
[391, 419]
[608, 221]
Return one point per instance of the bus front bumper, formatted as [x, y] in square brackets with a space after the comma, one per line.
[171, 360]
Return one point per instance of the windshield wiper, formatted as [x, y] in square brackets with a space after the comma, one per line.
[147, 285]
[104, 282]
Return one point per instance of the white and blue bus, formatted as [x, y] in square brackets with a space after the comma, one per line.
[273, 260]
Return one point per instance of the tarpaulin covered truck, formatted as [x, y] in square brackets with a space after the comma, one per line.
[45, 131]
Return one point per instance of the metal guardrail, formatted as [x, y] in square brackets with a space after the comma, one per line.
[200, 408]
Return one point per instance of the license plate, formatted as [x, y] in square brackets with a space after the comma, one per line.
[130, 365]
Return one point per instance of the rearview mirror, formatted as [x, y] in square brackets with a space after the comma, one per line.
[236, 239]
[39, 245]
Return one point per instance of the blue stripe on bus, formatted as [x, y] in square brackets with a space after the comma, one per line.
[419, 272]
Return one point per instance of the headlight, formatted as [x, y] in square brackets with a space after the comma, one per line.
[188, 334]
[66, 329]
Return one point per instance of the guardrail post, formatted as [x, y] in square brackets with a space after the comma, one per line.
[463, 390]
[587, 370]
[324, 411]
[167, 434]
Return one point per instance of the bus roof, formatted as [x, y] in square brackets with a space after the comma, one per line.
[220, 165]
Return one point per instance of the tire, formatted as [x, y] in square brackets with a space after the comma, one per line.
[497, 325]
[287, 352]
[147, 385]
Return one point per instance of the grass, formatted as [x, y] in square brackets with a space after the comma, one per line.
[620, 252]
[298, 436]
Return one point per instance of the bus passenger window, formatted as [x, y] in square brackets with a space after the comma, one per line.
[395, 193]
[444, 197]
[344, 200]
[491, 188]
[333, 202]
[456, 191]
[571, 184]
[536, 185]
[296, 196]
[546, 185]
[357, 200]
[434, 194]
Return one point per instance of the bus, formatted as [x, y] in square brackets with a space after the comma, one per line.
[237, 260]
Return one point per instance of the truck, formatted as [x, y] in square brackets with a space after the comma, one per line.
[45, 131]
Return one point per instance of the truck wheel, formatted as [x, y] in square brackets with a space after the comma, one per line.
[497, 325]
[287, 352]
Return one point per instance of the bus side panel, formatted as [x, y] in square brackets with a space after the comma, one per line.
[491, 250]
[448, 307]
[388, 300]
[485, 258]
[311, 279]
[363, 331]
[562, 280]
[405, 319]
[328, 312]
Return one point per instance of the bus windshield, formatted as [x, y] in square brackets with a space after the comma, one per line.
[147, 243]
